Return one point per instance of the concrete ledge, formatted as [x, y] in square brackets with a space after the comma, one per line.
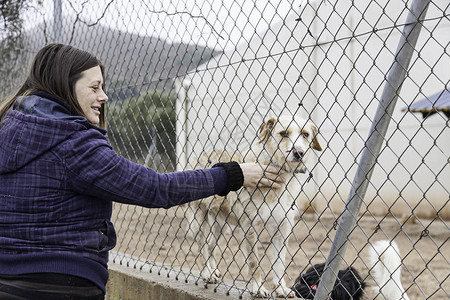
[126, 283]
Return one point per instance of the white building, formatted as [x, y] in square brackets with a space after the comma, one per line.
[330, 67]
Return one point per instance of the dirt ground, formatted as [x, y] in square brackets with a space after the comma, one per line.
[161, 236]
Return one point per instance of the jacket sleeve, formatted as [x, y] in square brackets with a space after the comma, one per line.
[95, 169]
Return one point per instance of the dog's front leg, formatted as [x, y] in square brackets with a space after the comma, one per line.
[208, 240]
[277, 257]
[250, 249]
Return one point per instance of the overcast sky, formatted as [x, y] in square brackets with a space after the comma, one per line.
[215, 23]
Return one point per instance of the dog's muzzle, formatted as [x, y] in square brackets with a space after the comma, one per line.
[298, 154]
[300, 170]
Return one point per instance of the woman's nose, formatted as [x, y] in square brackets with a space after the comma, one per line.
[103, 97]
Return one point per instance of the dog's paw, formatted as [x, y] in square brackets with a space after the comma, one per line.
[283, 292]
[211, 276]
[260, 292]
[215, 276]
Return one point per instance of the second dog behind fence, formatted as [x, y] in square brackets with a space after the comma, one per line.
[385, 264]
[349, 284]
[287, 143]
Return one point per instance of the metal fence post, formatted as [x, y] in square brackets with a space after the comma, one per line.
[57, 21]
[190, 78]
[394, 81]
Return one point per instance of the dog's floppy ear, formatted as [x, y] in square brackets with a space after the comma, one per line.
[265, 129]
[315, 142]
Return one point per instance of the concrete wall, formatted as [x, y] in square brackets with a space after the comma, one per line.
[126, 283]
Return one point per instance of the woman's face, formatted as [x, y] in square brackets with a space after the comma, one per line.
[90, 95]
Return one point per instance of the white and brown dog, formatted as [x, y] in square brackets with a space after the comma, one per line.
[287, 143]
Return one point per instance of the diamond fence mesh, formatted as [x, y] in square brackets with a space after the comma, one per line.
[190, 78]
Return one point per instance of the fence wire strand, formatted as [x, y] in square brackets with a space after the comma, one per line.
[186, 79]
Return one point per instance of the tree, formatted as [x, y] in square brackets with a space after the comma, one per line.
[142, 129]
[11, 21]
[11, 25]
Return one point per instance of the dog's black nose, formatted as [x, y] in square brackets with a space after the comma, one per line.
[297, 153]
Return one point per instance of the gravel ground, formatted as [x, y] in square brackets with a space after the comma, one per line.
[161, 236]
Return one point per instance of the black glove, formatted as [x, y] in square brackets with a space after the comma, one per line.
[235, 177]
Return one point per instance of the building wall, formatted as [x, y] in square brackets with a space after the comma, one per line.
[333, 73]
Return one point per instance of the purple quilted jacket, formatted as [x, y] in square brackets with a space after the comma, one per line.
[58, 178]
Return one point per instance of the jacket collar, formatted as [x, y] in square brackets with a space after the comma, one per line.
[43, 105]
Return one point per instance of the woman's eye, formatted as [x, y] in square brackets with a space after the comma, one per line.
[95, 88]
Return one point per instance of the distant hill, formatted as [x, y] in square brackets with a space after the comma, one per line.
[133, 63]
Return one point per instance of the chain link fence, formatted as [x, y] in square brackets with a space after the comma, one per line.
[190, 78]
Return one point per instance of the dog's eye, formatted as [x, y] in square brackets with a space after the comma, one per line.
[305, 134]
[284, 133]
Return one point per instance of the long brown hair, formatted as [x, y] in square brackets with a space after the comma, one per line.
[55, 70]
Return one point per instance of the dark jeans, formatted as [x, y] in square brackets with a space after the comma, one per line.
[49, 286]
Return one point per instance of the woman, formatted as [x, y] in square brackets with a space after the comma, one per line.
[59, 176]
